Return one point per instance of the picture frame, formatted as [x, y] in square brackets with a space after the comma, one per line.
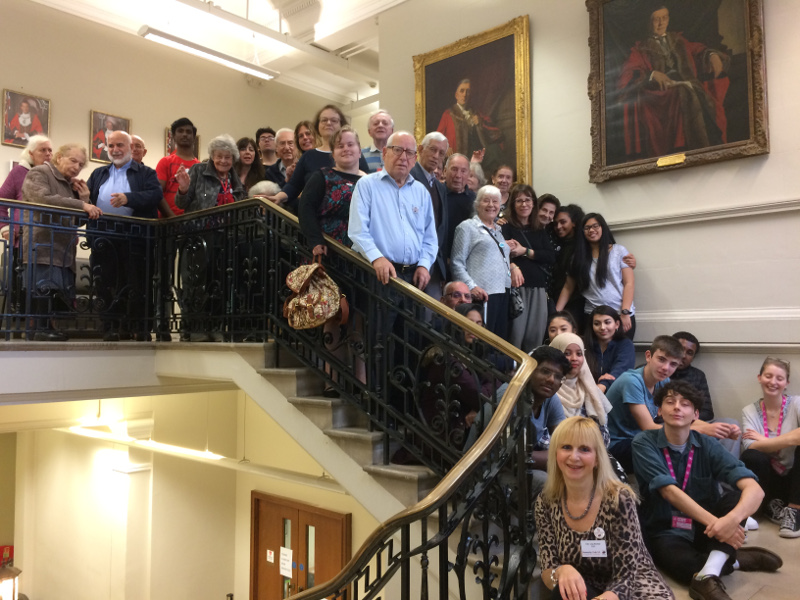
[17, 128]
[494, 113]
[712, 106]
[99, 123]
[169, 147]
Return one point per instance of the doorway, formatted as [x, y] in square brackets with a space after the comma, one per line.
[317, 539]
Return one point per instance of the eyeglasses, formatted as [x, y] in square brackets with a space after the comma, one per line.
[458, 296]
[589, 228]
[399, 150]
[523, 201]
[333, 121]
[266, 138]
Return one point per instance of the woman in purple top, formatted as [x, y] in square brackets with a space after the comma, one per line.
[38, 151]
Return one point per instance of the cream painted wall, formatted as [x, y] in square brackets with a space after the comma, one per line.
[81, 66]
[728, 280]
[8, 462]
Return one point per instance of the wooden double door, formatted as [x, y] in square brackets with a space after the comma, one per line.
[319, 541]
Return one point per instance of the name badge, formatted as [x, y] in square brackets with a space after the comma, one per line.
[777, 466]
[681, 522]
[593, 549]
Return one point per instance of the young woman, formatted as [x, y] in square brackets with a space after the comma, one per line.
[579, 393]
[249, 170]
[608, 352]
[771, 443]
[532, 253]
[565, 224]
[560, 322]
[599, 272]
[590, 542]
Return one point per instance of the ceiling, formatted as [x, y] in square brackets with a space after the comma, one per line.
[325, 47]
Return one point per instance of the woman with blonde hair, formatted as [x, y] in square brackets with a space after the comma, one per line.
[590, 542]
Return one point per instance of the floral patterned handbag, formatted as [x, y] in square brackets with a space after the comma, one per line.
[315, 298]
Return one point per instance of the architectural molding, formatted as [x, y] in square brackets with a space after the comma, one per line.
[717, 314]
[714, 214]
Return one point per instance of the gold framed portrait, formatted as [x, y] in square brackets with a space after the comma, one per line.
[476, 91]
[101, 124]
[675, 84]
[24, 115]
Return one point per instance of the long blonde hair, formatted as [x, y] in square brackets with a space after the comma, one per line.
[579, 431]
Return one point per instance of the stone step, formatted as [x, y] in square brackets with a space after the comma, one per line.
[364, 447]
[275, 356]
[407, 483]
[292, 382]
[330, 413]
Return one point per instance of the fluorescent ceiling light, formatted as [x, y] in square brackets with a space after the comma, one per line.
[179, 450]
[102, 432]
[225, 60]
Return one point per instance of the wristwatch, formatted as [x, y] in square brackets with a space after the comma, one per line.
[625, 311]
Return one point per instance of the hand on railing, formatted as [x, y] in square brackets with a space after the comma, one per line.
[93, 211]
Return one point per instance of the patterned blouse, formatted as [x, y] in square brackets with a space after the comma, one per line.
[325, 206]
[628, 570]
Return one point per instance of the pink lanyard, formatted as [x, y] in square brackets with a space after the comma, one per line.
[688, 467]
[780, 418]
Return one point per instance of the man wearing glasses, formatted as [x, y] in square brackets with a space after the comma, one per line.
[265, 138]
[455, 293]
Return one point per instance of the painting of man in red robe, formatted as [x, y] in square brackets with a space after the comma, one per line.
[673, 93]
[23, 117]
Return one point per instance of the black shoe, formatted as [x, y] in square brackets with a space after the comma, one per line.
[708, 588]
[758, 559]
[330, 392]
[111, 336]
[50, 335]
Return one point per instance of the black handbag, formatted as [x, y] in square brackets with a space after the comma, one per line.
[515, 305]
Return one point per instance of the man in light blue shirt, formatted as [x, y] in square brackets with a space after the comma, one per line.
[391, 217]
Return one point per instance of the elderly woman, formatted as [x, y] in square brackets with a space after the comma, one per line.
[249, 170]
[328, 121]
[590, 541]
[38, 151]
[481, 258]
[211, 183]
[49, 252]
[477, 179]
[532, 253]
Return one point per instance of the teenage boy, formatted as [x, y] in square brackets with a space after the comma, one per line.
[634, 407]
[184, 134]
[693, 532]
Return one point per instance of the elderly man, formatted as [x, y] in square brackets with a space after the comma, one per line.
[460, 199]
[455, 293]
[380, 126]
[431, 154]
[391, 217]
[119, 264]
[265, 138]
[283, 168]
[138, 149]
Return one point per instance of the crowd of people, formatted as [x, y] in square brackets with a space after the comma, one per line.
[530, 270]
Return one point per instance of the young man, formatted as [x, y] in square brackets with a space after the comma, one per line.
[183, 135]
[634, 407]
[265, 138]
[695, 533]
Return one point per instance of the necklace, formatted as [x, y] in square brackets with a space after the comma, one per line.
[588, 506]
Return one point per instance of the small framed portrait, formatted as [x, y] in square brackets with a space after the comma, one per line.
[675, 83]
[102, 124]
[169, 144]
[24, 116]
[477, 92]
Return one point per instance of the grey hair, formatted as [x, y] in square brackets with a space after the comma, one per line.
[464, 81]
[485, 191]
[223, 143]
[285, 130]
[265, 188]
[434, 136]
[380, 111]
[33, 144]
[452, 156]
[390, 141]
[477, 170]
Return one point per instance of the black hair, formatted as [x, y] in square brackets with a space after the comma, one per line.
[549, 199]
[182, 122]
[684, 388]
[575, 213]
[589, 339]
[685, 335]
[567, 316]
[465, 309]
[544, 354]
[582, 259]
[262, 130]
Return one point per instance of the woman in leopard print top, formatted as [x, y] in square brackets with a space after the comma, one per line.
[590, 542]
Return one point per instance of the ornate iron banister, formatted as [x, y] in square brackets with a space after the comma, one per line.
[439, 389]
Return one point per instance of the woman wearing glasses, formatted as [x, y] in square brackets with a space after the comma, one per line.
[532, 253]
[481, 258]
[600, 273]
[328, 121]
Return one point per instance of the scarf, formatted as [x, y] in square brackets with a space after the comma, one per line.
[581, 391]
